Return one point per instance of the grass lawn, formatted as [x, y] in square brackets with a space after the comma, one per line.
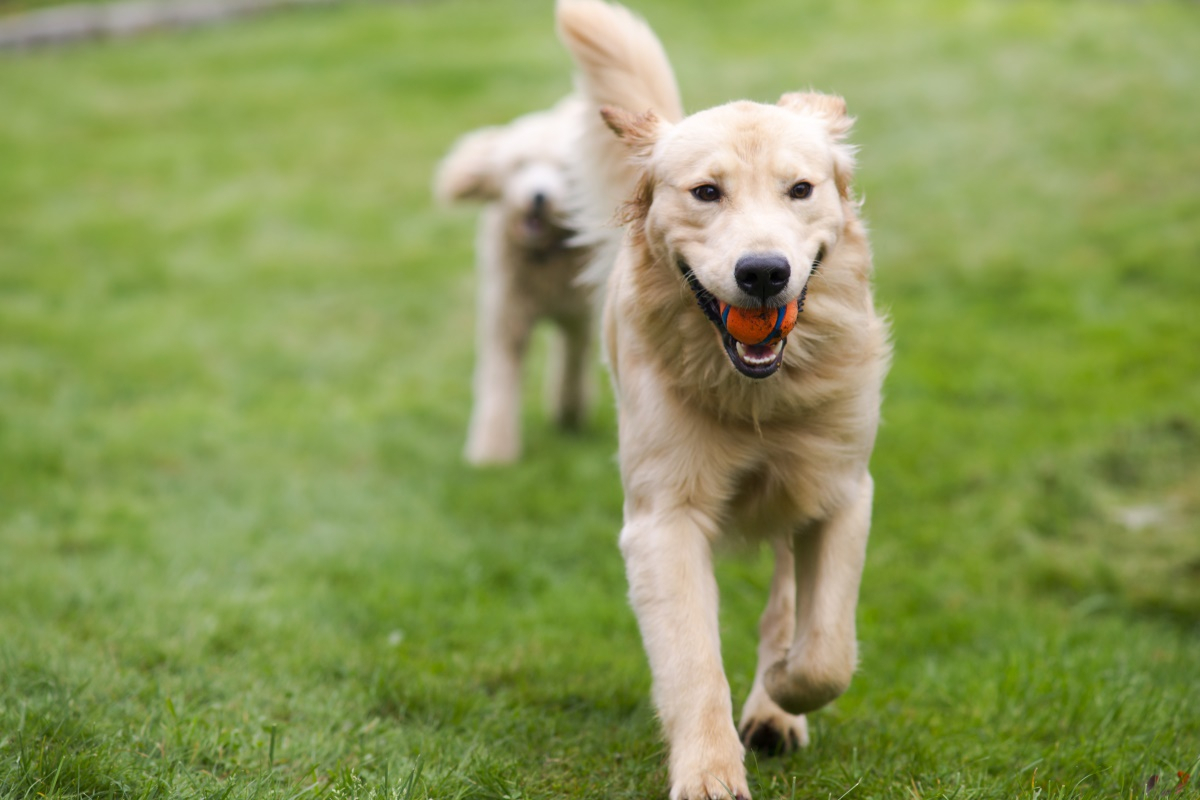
[240, 557]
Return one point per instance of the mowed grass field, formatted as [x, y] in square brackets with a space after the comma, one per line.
[240, 556]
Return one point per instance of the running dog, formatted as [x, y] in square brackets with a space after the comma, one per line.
[744, 206]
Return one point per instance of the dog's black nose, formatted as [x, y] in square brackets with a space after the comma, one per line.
[762, 275]
[539, 203]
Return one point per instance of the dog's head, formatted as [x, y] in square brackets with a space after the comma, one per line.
[522, 167]
[743, 200]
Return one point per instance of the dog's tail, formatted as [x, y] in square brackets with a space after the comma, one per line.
[620, 63]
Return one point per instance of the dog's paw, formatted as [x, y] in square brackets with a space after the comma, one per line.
[477, 459]
[570, 418]
[810, 683]
[768, 729]
[712, 779]
[711, 787]
[775, 737]
[482, 451]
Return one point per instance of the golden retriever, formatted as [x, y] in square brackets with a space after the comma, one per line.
[749, 205]
[527, 269]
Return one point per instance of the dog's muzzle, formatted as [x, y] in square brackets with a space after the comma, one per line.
[753, 361]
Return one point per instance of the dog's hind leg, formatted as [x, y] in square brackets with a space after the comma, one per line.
[568, 379]
[765, 727]
[823, 654]
[668, 561]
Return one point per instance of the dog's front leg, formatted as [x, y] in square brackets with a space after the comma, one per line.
[494, 436]
[668, 560]
[765, 727]
[505, 322]
[829, 558]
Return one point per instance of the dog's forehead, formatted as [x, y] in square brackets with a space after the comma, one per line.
[763, 137]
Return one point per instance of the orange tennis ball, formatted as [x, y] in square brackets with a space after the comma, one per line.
[759, 326]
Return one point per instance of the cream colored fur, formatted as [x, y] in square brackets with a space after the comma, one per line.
[704, 450]
[528, 270]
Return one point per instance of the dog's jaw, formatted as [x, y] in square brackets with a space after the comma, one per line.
[753, 361]
[538, 232]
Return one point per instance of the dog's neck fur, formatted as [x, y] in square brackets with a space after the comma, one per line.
[554, 246]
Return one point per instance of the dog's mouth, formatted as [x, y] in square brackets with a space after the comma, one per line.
[536, 224]
[756, 361]
[539, 227]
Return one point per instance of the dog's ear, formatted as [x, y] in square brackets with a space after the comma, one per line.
[471, 170]
[639, 132]
[830, 110]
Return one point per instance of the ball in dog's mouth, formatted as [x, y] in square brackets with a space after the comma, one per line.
[754, 338]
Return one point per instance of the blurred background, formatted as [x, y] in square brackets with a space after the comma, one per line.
[239, 552]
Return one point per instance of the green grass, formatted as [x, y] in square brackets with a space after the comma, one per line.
[240, 557]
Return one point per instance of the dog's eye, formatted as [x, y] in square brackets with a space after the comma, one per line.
[707, 193]
[801, 191]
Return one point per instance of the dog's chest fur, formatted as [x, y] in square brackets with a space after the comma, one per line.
[544, 278]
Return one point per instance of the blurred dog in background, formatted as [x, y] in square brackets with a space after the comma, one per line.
[527, 269]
